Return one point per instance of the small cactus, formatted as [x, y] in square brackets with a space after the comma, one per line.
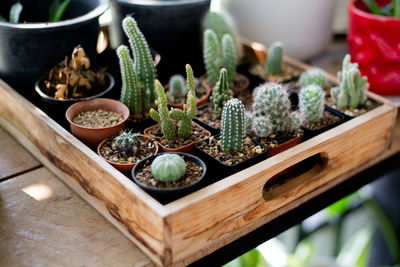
[138, 75]
[221, 93]
[352, 88]
[177, 87]
[313, 76]
[274, 60]
[272, 101]
[127, 143]
[219, 54]
[233, 126]
[184, 117]
[261, 126]
[168, 168]
[311, 102]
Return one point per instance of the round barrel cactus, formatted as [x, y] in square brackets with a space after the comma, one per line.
[127, 143]
[313, 76]
[168, 168]
[311, 102]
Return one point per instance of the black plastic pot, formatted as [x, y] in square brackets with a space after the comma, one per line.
[171, 28]
[223, 170]
[30, 49]
[169, 193]
[309, 133]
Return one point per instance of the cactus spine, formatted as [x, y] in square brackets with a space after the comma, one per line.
[311, 102]
[221, 93]
[274, 59]
[138, 75]
[218, 55]
[313, 76]
[168, 168]
[183, 117]
[352, 88]
[233, 126]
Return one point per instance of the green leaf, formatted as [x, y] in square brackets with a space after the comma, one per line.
[57, 10]
[304, 251]
[15, 12]
[373, 6]
[396, 8]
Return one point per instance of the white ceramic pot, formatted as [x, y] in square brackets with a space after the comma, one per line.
[304, 26]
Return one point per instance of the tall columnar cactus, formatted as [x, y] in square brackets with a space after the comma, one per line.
[233, 126]
[313, 76]
[183, 117]
[352, 88]
[311, 102]
[177, 86]
[272, 101]
[221, 93]
[138, 75]
[218, 55]
[274, 60]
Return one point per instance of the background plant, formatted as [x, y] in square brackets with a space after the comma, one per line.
[221, 93]
[312, 103]
[313, 76]
[273, 65]
[392, 9]
[127, 143]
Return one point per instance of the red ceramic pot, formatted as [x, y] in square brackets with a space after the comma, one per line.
[374, 43]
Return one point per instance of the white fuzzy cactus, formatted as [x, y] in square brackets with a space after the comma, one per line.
[311, 102]
[313, 76]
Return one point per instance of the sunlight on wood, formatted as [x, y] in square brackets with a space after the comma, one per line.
[38, 191]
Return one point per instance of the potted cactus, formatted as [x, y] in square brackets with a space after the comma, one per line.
[175, 130]
[313, 76]
[274, 69]
[125, 149]
[221, 53]
[177, 89]
[316, 117]
[210, 114]
[169, 174]
[271, 122]
[138, 75]
[350, 96]
[232, 150]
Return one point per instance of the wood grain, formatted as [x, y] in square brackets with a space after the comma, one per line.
[43, 223]
[14, 159]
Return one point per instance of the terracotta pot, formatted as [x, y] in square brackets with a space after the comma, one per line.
[127, 167]
[185, 149]
[93, 136]
[374, 44]
[235, 91]
[285, 146]
[199, 102]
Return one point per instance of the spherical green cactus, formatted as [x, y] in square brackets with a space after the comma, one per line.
[261, 126]
[272, 101]
[177, 87]
[127, 143]
[274, 59]
[352, 88]
[313, 76]
[233, 126]
[311, 102]
[221, 93]
[168, 168]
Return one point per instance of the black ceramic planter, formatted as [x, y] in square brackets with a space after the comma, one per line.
[169, 193]
[171, 28]
[30, 49]
[221, 169]
[309, 133]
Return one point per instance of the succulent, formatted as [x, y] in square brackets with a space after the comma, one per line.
[219, 54]
[274, 60]
[127, 143]
[138, 75]
[272, 101]
[168, 168]
[311, 102]
[221, 93]
[177, 87]
[261, 126]
[352, 88]
[233, 126]
[313, 76]
[184, 117]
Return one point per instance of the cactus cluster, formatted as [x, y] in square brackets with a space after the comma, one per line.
[233, 126]
[352, 88]
[170, 120]
[273, 65]
[219, 54]
[168, 168]
[221, 93]
[127, 143]
[313, 76]
[271, 111]
[311, 102]
[138, 75]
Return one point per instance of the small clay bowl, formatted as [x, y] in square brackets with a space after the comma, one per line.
[126, 167]
[93, 136]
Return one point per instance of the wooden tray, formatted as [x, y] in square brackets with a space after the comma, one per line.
[192, 227]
